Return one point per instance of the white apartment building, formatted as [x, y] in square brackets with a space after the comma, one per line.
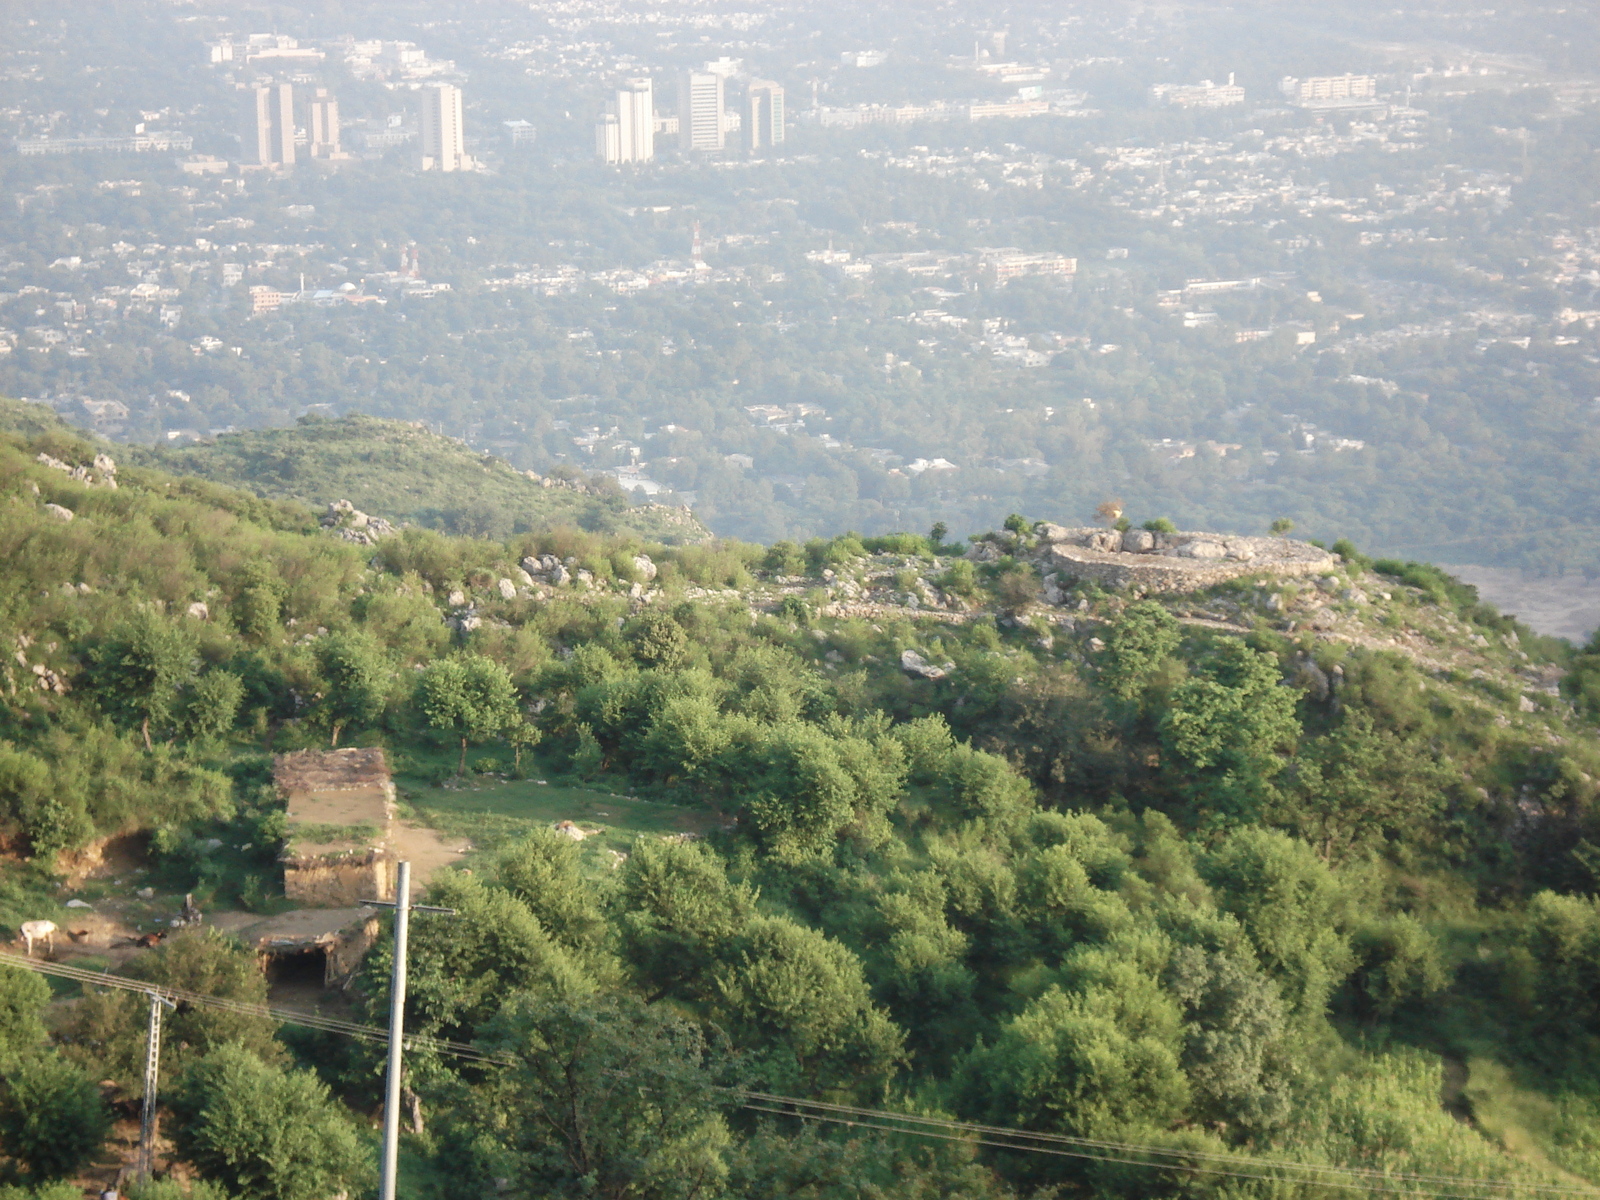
[1330, 89]
[636, 121]
[444, 140]
[700, 102]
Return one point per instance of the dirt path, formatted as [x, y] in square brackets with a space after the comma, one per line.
[427, 850]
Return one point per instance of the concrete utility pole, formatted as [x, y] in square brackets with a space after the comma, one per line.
[152, 1076]
[397, 1018]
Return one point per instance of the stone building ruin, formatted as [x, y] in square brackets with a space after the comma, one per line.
[1143, 560]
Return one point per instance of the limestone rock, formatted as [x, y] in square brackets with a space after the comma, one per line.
[1108, 541]
[457, 598]
[508, 590]
[1138, 541]
[59, 513]
[560, 576]
[1048, 533]
[913, 663]
[1203, 549]
[199, 611]
[645, 567]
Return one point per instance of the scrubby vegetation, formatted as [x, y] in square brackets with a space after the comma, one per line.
[1237, 874]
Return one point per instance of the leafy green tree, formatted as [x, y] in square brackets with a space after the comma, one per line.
[1293, 908]
[1088, 1064]
[1227, 728]
[612, 1099]
[257, 608]
[214, 700]
[656, 639]
[356, 676]
[143, 667]
[1398, 962]
[801, 999]
[52, 1119]
[1234, 1051]
[469, 697]
[107, 1029]
[543, 869]
[45, 806]
[937, 534]
[1281, 527]
[23, 996]
[463, 967]
[679, 912]
[262, 1131]
[1138, 643]
[1360, 786]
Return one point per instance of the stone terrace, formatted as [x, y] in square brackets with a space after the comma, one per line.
[1171, 562]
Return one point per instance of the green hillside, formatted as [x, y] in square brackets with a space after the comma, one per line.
[1280, 879]
[401, 471]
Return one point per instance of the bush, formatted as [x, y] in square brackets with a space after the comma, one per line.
[1160, 525]
[265, 1132]
[52, 1119]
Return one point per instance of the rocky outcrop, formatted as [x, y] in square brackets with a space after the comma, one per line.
[1168, 562]
[352, 525]
[103, 472]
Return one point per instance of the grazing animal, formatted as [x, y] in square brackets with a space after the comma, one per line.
[39, 931]
[149, 940]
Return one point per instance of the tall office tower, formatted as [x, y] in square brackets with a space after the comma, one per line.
[608, 138]
[763, 115]
[700, 111]
[268, 133]
[322, 123]
[636, 117]
[444, 140]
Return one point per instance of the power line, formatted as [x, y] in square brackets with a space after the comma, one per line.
[882, 1120]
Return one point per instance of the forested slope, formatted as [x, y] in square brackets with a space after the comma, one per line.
[401, 471]
[1248, 874]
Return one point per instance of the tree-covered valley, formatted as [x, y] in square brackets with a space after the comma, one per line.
[1244, 890]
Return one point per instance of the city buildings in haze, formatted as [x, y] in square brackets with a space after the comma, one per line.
[268, 133]
[763, 115]
[322, 126]
[627, 130]
[700, 121]
[444, 140]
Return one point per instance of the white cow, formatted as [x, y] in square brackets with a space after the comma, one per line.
[34, 931]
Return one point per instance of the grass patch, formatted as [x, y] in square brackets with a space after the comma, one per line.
[492, 812]
[333, 835]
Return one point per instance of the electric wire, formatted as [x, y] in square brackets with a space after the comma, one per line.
[882, 1120]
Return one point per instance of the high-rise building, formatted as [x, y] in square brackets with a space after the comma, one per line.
[636, 115]
[268, 133]
[763, 115]
[322, 126]
[444, 141]
[700, 100]
[608, 138]
[626, 131]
